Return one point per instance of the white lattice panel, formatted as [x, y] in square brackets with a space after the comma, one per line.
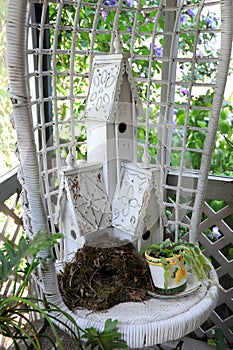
[217, 238]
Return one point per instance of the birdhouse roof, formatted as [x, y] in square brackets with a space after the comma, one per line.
[104, 96]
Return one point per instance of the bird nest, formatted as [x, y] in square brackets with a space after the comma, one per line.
[99, 278]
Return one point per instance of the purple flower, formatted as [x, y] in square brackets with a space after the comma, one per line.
[199, 53]
[190, 13]
[158, 50]
[104, 15]
[129, 2]
[110, 2]
[211, 22]
[208, 21]
[129, 29]
[184, 91]
[183, 19]
[216, 233]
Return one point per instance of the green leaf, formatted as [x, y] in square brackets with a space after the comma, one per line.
[11, 257]
[188, 259]
[163, 261]
[196, 250]
[211, 342]
[91, 331]
[167, 243]
[110, 325]
[202, 259]
[166, 278]
[107, 339]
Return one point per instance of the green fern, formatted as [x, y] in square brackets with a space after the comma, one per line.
[11, 258]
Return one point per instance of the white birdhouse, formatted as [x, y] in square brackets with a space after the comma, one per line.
[111, 194]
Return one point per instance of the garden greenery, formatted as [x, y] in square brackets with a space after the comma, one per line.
[222, 162]
[7, 135]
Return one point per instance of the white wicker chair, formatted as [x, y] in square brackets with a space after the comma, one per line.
[35, 54]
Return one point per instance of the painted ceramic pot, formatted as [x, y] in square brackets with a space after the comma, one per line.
[169, 279]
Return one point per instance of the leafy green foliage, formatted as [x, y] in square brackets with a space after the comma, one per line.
[108, 339]
[10, 257]
[7, 134]
[15, 322]
[218, 340]
[222, 162]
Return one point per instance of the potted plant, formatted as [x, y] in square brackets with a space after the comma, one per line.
[169, 262]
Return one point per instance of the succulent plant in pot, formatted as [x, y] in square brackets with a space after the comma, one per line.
[169, 262]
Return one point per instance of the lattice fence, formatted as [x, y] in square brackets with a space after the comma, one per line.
[219, 247]
[10, 225]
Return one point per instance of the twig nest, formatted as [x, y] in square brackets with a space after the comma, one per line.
[99, 278]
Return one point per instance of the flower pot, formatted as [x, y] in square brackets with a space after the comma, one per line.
[169, 278]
